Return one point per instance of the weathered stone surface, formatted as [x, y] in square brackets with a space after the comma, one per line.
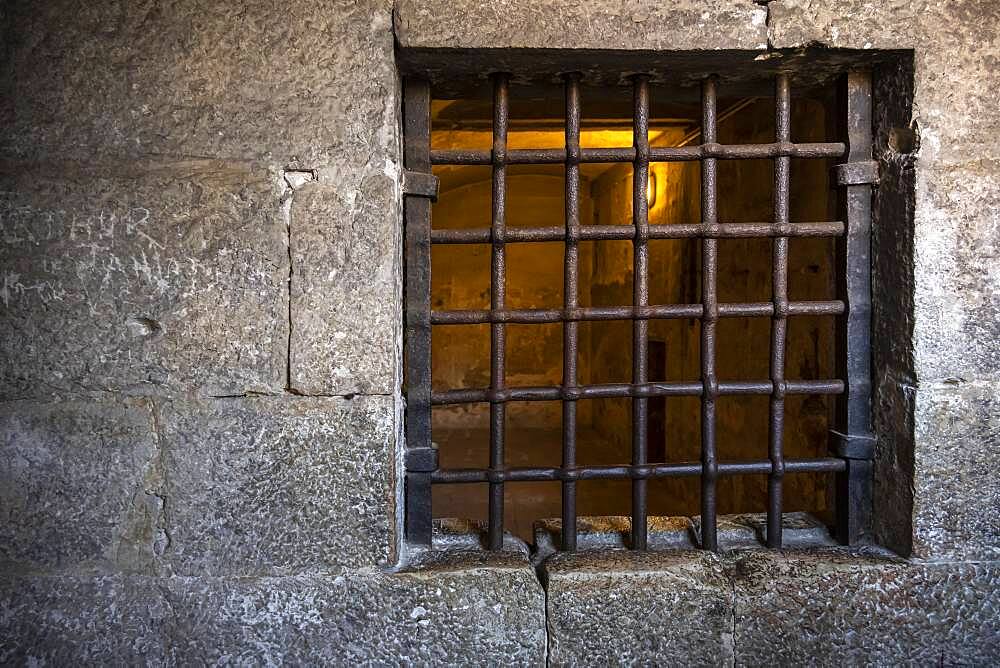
[836, 608]
[628, 607]
[73, 620]
[957, 259]
[144, 279]
[566, 24]
[471, 612]
[305, 82]
[79, 486]
[956, 495]
[279, 485]
[346, 245]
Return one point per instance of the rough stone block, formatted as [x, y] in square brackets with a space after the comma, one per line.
[279, 485]
[146, 278]
[461, 612]
[80, 620]
[300, 83]
[956, 490]
[79, 486]
[346, 324]
[837, 608]
[566, 24]
[671, 607]
[957, 272]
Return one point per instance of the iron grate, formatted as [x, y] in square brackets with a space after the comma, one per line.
[852, 444]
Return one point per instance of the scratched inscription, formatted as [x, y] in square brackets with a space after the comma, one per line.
[53, 254]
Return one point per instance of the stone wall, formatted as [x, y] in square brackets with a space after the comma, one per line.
[200, 367]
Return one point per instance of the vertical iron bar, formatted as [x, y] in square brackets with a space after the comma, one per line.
[853, 438]
[779, 321]
[498, 291]
[640, 297]
[417, 212]
[710, 316]
[571, 301]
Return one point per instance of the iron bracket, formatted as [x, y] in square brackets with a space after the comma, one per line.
[853, 446]
[420, 184]
[856, 173]
[422, 460]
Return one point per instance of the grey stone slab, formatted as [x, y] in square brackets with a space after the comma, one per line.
[463, 612]
[79, 620]
[956, 490]
[304, 82]
[565, 24]
[264, 486]
[957, 285]
[671, 607]
[346, 285]
[837, 608]
[80, 486]
[144, 278]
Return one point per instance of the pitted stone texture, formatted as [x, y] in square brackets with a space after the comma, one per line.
[150, 278]
[298, 83]
[568, 24]
[80, 486]
[672, 607]
[64, 621]
[458, 613]
[278, 485]
[957, 293]
[345, 241]
[836, 608]
[956, 509]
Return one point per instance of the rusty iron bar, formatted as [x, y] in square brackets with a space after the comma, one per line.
[417, 214]
[645, 472]
[709, 319]
[852, 437]
[779, 318]
[571, 288]
[545, 156]
[630, 390]
[657, 312]
[640, 299]
[627, 232]
[498, 292]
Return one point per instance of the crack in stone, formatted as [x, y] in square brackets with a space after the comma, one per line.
[161, 463]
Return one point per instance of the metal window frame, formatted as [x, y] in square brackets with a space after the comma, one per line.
[851, 439]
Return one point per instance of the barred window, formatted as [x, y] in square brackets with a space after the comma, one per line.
[638, 291]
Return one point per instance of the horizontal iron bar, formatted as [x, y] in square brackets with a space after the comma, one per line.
[545, 156]
[614, 390]
[485, 235]
[678, 470]
[661, 312]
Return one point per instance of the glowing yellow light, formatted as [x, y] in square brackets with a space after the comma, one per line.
[651, 189]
